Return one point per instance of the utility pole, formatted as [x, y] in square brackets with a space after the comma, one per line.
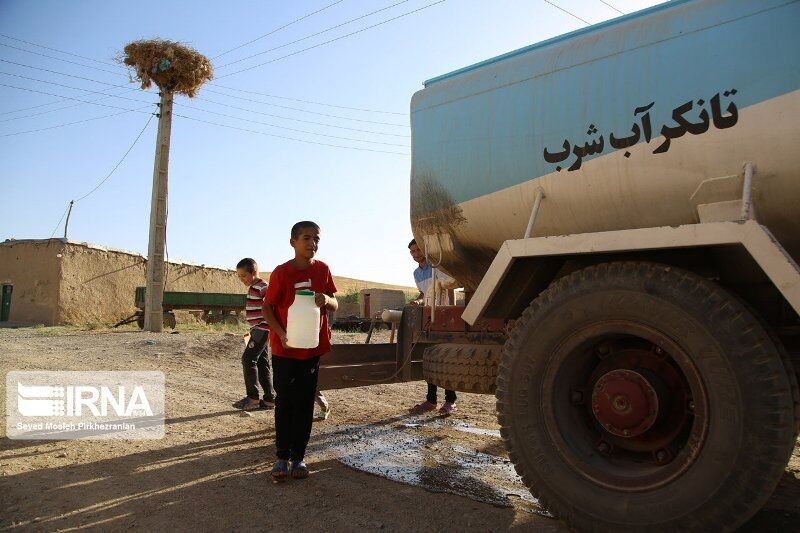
[173, 68]
[66, 224]
[158, 219]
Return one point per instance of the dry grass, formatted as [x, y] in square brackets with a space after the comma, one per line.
[172, 66]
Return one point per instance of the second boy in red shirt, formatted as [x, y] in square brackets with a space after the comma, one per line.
[295, 370]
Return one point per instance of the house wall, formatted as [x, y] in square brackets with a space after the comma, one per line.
[62, 282]
[97, 285]
[32, 267]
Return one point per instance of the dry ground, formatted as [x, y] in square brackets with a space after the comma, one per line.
[210, 471]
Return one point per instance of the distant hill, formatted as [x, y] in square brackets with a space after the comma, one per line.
[350, 285]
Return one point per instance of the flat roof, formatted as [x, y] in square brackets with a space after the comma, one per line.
[12, 242]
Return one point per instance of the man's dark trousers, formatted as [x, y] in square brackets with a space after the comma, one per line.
[449, 395]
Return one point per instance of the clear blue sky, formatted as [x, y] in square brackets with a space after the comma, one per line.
[235, 193]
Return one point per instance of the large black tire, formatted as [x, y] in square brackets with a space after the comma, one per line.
[735, 434]
[794, 382]
[462, 367]
[791, 373]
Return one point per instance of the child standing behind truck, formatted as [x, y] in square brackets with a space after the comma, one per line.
[297, 369]
[423, 277]
[255, 359]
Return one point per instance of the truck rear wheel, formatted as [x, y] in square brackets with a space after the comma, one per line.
[462, 367]
[635, 395]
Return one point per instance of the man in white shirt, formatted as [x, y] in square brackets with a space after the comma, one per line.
[423, 277]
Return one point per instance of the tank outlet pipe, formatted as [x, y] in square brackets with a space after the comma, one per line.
[534, 212]
[433, 273]
[747, 191]
[435, 294]
[391, 316]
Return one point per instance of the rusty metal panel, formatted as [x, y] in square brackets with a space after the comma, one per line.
[410, 327]
[448, 319]
[362, 375]
[353, 354]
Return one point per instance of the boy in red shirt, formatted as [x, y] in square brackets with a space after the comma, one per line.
[295, 370]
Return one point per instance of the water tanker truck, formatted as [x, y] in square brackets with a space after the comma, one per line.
[621, 205]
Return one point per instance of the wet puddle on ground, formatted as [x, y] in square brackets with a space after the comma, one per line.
[418, 452]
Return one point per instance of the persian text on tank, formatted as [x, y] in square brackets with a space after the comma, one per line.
[683, 126]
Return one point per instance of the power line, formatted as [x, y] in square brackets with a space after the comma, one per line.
[612, 7]
[299, 100]
[69, 97]
[70, 204]
[289, 138]
[64, 74]
[71, 87]
[295, 21]
[213, 84]
[56, 109]
[59, 222]
[568, 12]
[58, 50]
[301, 110]
[31, 107]
[139, 110]
[301, 120]
[326, 30]
[332, 40]
[118, 162]
[291, 129]
[135, 100]
[63, 60]
[328, 115]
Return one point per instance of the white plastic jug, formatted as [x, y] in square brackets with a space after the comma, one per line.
[302, 322]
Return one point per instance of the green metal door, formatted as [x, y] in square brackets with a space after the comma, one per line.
[5, 303]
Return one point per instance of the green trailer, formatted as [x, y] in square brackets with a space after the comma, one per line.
[216, 307]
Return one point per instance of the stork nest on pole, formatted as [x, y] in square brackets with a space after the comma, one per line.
[172, 66]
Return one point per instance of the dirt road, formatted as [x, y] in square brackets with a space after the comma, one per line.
[372, 466]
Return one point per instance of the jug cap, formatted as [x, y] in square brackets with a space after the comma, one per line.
[304, 293]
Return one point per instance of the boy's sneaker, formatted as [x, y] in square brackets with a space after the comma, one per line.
[280, 471]
[324, 408]
[267, 405]
[299, 470]
[247, 404]
[447, 408]
[323, 413]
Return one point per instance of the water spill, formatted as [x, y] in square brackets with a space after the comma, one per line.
[457, 425]
[415, 454]
[466, 428]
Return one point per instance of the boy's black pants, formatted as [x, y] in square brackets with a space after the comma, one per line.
[449, 395]
[295, 387]
[256, 365]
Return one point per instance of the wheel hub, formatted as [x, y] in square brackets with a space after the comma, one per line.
[625, 403]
